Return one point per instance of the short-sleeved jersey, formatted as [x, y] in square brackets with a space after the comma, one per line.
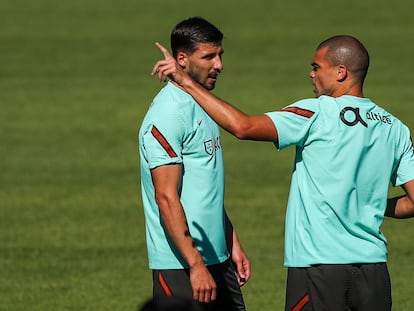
[348, 150]
[176, 130]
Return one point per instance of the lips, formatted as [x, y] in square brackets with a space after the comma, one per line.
[212, 78]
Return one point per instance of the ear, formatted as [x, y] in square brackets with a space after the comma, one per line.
[182, 59]
[342, 72]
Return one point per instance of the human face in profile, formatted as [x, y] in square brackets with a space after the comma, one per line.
[323, 74]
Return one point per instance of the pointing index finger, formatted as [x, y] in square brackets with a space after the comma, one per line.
[164, 51]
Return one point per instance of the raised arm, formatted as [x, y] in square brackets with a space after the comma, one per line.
[402, 206]
[230, 118]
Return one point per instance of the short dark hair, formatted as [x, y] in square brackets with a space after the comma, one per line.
[349, 51]
[187, 34]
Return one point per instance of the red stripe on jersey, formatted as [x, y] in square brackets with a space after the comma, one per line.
[163, 141]
[164, 285]
[301, 303]
[299, 111]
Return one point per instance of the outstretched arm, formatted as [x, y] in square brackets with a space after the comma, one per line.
[230, 118]
[402, 206]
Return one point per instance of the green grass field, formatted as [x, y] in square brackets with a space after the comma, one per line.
[74, 86]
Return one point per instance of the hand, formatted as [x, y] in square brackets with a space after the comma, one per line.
[168, 67]
[203, 284]
[242, 263]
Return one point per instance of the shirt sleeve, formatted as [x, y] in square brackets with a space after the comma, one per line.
[293, 122]
[162, 139]
[405, 169]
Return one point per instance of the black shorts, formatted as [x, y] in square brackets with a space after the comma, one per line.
[362, 287]
[177, 283]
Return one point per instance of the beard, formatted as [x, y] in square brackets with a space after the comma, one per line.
[203, 81]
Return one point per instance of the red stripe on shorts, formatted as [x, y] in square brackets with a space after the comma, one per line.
[299, 111]
[163, 141]
[164, 285]
[301, 303]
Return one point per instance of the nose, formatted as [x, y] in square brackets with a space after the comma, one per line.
[312, 74]
[218, 64]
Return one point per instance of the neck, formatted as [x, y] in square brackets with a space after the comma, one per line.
[349, 90]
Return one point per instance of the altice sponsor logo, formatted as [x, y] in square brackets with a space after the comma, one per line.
[351, 117]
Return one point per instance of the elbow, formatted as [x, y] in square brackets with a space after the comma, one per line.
[166, 200]
[241, 131]
[253, 128]
[241, 135]
[161, 199]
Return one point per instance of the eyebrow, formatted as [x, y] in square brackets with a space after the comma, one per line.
[208, 55]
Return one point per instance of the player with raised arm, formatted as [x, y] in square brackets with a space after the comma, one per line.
[348, 150]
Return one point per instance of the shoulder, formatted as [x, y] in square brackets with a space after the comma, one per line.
[169, 110]
[170, 101]
[171, 96]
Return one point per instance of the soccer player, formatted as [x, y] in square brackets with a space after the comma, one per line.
[348, 149]
[193, 249]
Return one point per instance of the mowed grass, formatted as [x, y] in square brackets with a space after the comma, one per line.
[74, 86]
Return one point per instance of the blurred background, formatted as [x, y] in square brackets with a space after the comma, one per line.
[74, 86]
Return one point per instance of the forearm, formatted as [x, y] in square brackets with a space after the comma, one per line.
[202, 282]
[175, 223]
[231, 236]
[233, 120]
[167, 179]
[400, 207]
[227, 116]
[229, 232]
[259, 127]
[238, 256]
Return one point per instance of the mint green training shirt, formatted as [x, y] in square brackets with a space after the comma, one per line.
[176, 130]
[347, 151]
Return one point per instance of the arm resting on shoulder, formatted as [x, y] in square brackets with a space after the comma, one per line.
[233, 120]
[230, 118]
